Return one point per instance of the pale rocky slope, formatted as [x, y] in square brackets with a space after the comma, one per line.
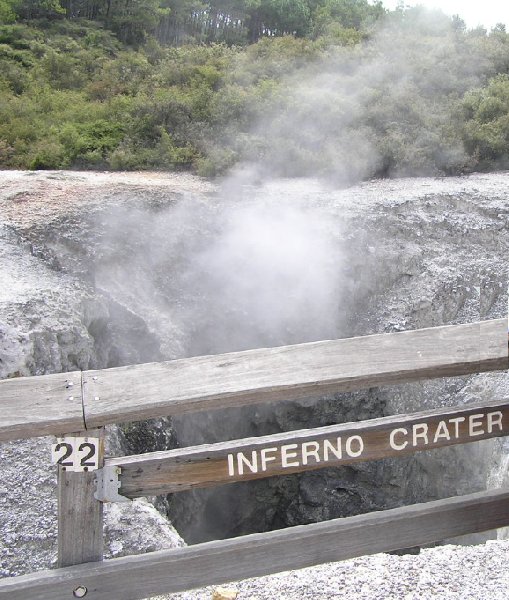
[447, 572]
[77, 292]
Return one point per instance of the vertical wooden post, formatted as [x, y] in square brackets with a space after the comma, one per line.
[80, 515]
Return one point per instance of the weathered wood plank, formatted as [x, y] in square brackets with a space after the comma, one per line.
[289, 372]
[136, 577]
[42, 405]
[80, 515]
[308, 449]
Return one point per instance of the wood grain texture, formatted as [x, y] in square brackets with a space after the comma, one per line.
[207, 465]
[167, 571]
[44, 405]
[290, 372]
[41, 405]
[80, 515]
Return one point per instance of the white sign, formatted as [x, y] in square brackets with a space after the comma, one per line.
[77, 454]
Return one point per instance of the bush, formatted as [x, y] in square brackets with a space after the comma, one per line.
[46, 154]
[486, 129]
[90, 143]
[345, 100]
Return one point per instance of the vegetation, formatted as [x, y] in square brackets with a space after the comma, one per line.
[339, 87]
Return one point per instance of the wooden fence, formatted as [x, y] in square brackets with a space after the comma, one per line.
[76, 406]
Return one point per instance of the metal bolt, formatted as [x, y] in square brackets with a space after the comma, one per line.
[94, 378]
[70, 398]
[96, 397]
[69, 384]
[80, 591]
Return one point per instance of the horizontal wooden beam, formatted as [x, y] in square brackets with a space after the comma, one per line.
[290, 372]
[33, 406]
[168, 571]
[308, 449]
[42, 405]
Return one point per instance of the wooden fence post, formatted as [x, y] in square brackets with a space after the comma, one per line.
[80, 515]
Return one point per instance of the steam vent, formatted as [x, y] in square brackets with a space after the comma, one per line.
[254, 300]
[104, 270]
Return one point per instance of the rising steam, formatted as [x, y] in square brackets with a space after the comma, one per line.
[269, 276]
[261, 262]
[259, 265]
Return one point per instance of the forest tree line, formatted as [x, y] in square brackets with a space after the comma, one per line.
[183, 21]
[343, 88]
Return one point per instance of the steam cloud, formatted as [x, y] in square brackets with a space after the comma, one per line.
[262, 265]
[388, 107]
[259, 265]
[270, 276]
[219, 275]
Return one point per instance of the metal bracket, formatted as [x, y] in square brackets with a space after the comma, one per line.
[108, 484]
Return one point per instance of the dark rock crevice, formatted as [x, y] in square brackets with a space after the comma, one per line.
[150, 280]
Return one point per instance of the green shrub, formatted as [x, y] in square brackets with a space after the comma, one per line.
[46, 154]
[486, 128]
[216, 162]
[90, 143]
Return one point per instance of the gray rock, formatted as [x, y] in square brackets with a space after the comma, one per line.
[100, 270]
[445, 572]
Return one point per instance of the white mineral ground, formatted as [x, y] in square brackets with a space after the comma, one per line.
[446, 572]
[477, 572]
[28, 198]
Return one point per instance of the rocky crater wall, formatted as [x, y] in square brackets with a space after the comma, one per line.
[120, 269]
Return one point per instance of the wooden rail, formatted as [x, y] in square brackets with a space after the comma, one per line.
[167, 571]
[309, 449]
[84, 402]
[304, 370]
[42, 405]
[50, 405]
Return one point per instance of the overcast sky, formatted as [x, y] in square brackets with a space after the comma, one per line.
[482, 12]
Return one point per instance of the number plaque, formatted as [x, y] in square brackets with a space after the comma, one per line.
[78, 454]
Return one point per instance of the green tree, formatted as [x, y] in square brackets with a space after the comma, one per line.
[8, 11]
[349, 14]
[36, 9]
[182, 22]
[486, 130]
[133, 20]
[277, 17]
